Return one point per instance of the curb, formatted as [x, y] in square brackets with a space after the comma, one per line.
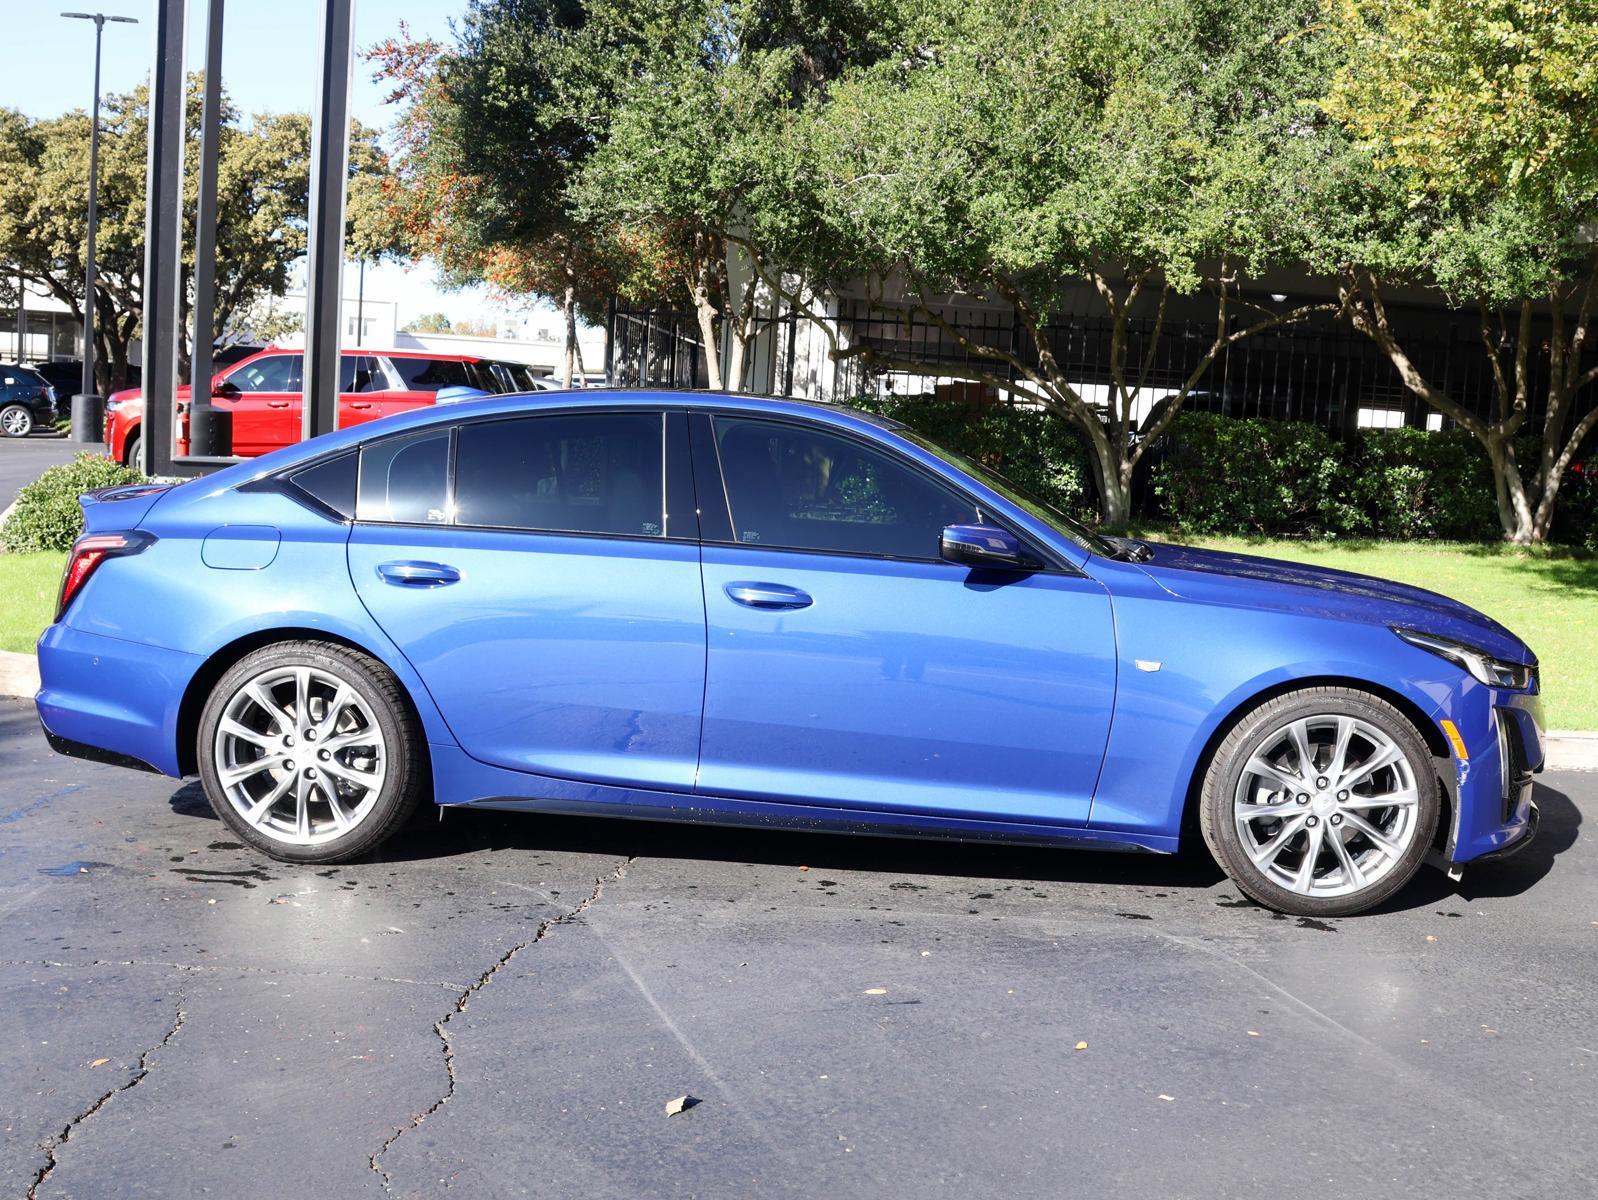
[1566, 750]
[19, 674]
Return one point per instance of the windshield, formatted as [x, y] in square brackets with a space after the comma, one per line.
[1065, 526]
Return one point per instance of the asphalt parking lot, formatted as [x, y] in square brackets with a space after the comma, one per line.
[22, 460]
[504, 1006]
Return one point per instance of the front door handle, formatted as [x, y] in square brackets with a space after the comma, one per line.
[363, 405]
[767, 595]
[278, 403]
[417, 574]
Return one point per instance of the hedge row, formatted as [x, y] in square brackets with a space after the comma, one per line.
[47, 516]
[1218, 474]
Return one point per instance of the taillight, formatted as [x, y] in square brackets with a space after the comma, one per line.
[88, 552]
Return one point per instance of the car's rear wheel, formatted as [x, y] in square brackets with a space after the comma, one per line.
[1321, 802]
[134, 447]
[308, 751]
[16, 420]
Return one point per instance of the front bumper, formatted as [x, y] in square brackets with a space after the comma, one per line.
[1494, 813]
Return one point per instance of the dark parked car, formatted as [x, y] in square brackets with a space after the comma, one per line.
[63, 374]
[27, 401]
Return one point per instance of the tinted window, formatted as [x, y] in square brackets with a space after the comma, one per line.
[583, 473]
[430, 374]
[795, 486]
[406, 480]
[274, 373]
[331, 483]
[359, 373]
[21, 376]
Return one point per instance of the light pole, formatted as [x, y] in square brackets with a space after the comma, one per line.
[99, 20]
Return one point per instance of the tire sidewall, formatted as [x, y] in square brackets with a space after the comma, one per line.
[393, 802]
[134, 446]
[1226, 771]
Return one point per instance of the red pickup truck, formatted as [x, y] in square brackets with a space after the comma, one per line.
[263, 394]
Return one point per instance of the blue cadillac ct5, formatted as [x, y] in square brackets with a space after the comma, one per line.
[710, 608]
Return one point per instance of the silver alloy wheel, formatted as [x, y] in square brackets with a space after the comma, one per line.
[16, 421]
[1327, 805]
[300, 755]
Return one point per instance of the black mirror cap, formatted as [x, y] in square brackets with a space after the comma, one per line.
[983, 546]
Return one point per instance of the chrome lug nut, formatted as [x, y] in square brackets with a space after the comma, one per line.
[1313, 821]
[1343, 795]
[1321, 782]
[323, 755]
[310, 735]
[1337, 818]
[1303, 797]
[288, 764]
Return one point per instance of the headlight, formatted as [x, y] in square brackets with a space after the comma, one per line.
[112, 405]
[1483, 667]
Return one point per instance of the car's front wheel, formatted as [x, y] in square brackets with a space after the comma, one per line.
[16, 420]
[1321, 802]
[308, 751]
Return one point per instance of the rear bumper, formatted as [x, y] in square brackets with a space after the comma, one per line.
[115, 699]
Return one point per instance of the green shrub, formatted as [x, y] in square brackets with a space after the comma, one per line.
[1236, 475]
[1412, 484]
[1038, 450]
[47, 516]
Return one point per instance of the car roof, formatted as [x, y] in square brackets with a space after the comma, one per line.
[387, 352]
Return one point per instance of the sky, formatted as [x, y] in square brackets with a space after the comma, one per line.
[268, 64]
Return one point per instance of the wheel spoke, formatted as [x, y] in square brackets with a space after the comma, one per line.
[1339, 759]
[264, 701]
[302, 697]
[355, 737]
[1281, 778]
[235, 775]
[369, 780]
[302, 806]
[1298, 731]
[1256, 812]
[1266, 854]
[1351, 868]
[258, 813]
[1304, 879]
[1386, 756]
[1404, 798]
[244, 733]
[1375, 836]
[335, 709]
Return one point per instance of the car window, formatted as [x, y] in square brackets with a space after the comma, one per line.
[331, 482]
[359, 373]
[430, 374]
[22, 376]
[405, 480]
[274, 373]
[804, 488]
[579, 473]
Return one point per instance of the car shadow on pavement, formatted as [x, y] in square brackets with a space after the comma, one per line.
[435, 835]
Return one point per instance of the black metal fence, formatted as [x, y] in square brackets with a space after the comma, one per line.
[1320, 370]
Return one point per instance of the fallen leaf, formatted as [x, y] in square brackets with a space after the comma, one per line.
[875, 992]
[1253, 1033]
[680, 1104]
[1163, 1096]
[99, 1062]
[1431, 937]
[1081, 1045]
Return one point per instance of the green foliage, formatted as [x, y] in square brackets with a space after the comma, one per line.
[47, 515]
[1038, 450]
[1227, 474]
[1411, 484]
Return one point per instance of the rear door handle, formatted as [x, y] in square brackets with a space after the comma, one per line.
[417, 574]
[363, 405]
[277, 403]
[767, 595]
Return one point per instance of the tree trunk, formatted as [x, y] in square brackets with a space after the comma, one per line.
[1514, 511]
[706, 311]
[568, 303]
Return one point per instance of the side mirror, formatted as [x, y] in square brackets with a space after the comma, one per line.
[223, 388]
[982, 546]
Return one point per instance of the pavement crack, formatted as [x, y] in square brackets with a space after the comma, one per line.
[53, 1144]
[463, 1001]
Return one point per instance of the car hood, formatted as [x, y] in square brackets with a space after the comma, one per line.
[1245, 578]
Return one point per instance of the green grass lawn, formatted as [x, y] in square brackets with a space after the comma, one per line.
[1549, 597]
[28, 586]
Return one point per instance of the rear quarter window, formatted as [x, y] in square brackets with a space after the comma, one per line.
[431, 374]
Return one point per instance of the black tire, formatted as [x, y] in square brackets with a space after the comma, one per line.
[16, 420]
[406, 781]
[1252, 735]
[133, 448]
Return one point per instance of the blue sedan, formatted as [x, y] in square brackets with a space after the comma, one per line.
[709, 608]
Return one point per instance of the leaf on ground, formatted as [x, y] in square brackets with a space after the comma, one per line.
[875, 992]
[680, 1104]
[99, 1062]
[1163, 1096]
[1081, 1045]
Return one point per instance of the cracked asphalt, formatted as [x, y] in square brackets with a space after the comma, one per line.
[503, 1006]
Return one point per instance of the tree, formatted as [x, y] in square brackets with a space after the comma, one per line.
[1015, 150]
[1477, 127]
[433, 322]
[262, 186]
